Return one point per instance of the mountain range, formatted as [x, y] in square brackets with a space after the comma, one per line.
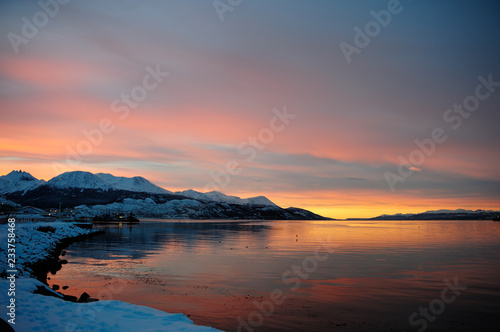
[90, 194]
[459, 214]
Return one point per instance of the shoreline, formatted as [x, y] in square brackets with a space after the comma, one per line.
[35, 306]
[53, 263]
[41, 268]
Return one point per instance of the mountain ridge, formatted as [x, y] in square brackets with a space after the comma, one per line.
[216, 196]
[18, 181]
[89, 194]
[442, 214]
[107, 181]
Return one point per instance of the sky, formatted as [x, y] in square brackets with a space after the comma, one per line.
[345, 108]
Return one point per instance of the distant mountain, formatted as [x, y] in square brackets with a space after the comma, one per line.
[459, 214]
[104, 182]
[215, 196]
[92, 194]
[302, 214]
[18, 181]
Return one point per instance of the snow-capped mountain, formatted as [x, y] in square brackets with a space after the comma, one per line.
[78, 179]
[103, 181]
[18, 181]
[137, 183]
[215, 196]
[455, 211]
[93, 194]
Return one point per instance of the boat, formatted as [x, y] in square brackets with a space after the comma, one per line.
[115, 218]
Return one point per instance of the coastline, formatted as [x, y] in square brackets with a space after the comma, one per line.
[37, 307]
[52, 263]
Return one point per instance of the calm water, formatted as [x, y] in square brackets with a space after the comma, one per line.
[321, 275]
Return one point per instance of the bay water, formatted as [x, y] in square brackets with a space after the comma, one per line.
[298, 275]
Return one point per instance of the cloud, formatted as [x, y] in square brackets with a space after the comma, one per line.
[353, 120]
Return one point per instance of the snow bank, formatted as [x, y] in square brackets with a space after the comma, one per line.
[36, 312]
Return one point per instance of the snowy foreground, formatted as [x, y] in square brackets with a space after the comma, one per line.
[35, 312]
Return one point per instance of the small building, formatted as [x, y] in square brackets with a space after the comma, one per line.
[32, 214]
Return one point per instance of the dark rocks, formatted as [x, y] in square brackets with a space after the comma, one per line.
[70, 298]
[84, 225]
[52, 263]
[46, 229]
[45, 291]
[54, 266]
[4, 326]
[84, 298]
[65, 287]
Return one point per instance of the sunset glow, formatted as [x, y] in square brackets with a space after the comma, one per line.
[87, 93]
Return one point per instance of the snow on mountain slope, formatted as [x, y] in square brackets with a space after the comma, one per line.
[220, 197]
[215, 196]
[104, 181]
[144, 207]
[459, 214]
[137, 184]
[18, 181]
[192, 194]
[453, 211]
[78, 179]
[442, 211]
[21, 181]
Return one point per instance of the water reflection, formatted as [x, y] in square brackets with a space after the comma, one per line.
[139, 240]
[376, 275]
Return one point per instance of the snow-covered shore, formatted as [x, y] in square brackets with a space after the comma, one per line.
[34, 246]
[35, 312]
